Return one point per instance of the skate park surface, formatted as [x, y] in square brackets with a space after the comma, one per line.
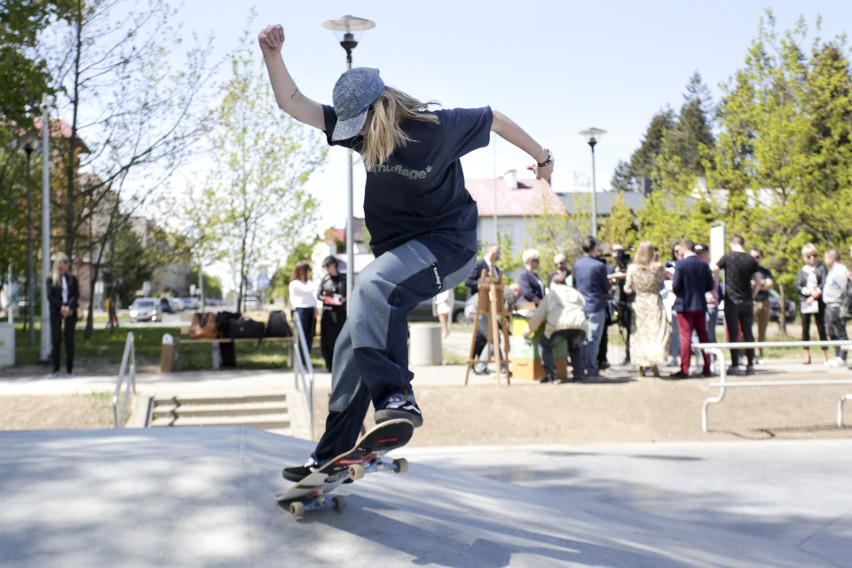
[205, 497]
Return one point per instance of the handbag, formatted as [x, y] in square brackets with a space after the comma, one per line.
[277, 325]
[224, 320]
[203, 326]
[246, 329]
[809, 308]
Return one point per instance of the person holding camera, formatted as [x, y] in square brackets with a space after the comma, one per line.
[623, 299]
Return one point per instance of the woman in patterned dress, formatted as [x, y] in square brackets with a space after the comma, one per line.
[649, 342]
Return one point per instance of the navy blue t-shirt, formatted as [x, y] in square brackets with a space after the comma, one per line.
[420, 189]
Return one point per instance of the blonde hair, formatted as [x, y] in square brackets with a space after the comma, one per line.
[530, 254]
[385, 132]
[645, 254]
[58, 259]
[809, 249]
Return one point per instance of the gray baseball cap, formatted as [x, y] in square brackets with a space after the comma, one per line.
[353, 94]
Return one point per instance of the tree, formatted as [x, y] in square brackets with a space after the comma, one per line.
[24, 76]
[691, 137]
[129, 264]
[259, 207]
[211, 285]
[622, 180]
[644, 159]
[132, 119]
[783, 154]
[620, 226]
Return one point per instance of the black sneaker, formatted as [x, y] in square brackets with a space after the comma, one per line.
[396, 406]
[300, 472]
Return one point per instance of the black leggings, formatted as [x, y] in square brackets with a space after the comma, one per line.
[820, 325]
[56, 337]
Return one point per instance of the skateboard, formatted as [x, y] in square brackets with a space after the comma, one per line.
[310, 493]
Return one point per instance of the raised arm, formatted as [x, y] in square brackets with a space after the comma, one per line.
[511, 132]
[288, 96]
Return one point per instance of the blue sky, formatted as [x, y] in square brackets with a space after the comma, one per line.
[555, 67]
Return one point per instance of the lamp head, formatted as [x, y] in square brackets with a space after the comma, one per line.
[344, 27]
[592, 135]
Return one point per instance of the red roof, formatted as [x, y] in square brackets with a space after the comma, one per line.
[531, 197]
[60, 129]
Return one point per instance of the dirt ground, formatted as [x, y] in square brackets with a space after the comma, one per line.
[55, 412]
[644, 410]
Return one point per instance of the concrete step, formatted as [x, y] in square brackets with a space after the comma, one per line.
[236, 409]
[272, 422]
[262, 411]
[224, 399]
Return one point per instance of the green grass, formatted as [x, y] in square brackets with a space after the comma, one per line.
[107, 348]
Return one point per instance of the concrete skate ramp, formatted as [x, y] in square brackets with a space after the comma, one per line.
[204, 497]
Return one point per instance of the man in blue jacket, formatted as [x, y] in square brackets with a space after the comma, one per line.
[692, 280]
[590, 279]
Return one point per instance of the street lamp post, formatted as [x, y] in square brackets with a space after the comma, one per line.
[592, 136]
[346, 26]
[29, 148]
[47, 103]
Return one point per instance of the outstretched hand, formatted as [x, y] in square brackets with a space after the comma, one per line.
[541, 173]
[271, 38]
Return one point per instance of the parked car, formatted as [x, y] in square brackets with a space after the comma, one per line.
[145, 309]
[423, 312]
[191, 303]
[775, 305]
[176, 304]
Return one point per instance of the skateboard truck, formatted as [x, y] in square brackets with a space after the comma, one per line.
[298, 508]
[399, 465]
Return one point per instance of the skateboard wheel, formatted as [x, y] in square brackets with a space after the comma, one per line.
[400, 465]
[338, 503]
[356, 472]
[297, 509]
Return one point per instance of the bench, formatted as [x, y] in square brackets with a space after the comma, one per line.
[217, 355]
[723, 384]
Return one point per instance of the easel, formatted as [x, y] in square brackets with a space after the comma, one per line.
[490, 305]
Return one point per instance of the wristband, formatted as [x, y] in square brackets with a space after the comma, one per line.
[547, 162]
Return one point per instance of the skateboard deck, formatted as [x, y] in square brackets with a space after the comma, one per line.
[309, 494]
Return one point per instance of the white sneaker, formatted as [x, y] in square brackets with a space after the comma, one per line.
[835, 363]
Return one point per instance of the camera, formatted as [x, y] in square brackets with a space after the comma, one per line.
[621, 258]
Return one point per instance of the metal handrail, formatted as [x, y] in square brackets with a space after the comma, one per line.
[303, 364]
[715, 349]
[129, 355]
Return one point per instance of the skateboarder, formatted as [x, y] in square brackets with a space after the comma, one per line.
[422, 223]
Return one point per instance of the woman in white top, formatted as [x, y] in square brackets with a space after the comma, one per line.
[303, 299]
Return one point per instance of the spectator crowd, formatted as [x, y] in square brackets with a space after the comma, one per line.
[663, 305]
